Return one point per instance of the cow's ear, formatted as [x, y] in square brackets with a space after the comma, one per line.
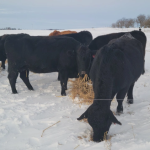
[84, 115]
[114, 119]
[70, 53]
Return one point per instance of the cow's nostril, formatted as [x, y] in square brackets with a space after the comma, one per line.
[83, 72]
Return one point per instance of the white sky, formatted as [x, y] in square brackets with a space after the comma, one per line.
[68, 14]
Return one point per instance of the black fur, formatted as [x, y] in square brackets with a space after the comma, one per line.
[2, 52]
[85, 38]
[3, 56]
[115, 69]
[40, 54]
[102, 40]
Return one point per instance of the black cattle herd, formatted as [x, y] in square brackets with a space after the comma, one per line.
[114, 62]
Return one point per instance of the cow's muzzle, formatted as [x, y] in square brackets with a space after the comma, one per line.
[83, 72]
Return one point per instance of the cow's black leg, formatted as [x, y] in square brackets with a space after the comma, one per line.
[58, 77]
[12, 76]
[63, 81]
[24, 75]
[3, 64]
[130, 94]
[143, 68]
[120, 96]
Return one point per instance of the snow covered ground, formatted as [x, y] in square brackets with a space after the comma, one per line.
[24, 116]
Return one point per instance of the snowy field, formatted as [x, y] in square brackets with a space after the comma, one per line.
[25, 115]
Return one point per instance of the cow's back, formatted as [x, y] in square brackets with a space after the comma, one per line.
[84, 37]
[40, 54]
[121, 61]
[102, 40]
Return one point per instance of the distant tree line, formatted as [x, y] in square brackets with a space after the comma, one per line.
[140, 21]
[9, 28]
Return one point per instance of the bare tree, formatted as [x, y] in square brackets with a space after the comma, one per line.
[131, 22]
[147, 22]
[113, 25]
[122, 22]
[118, 24]
[141, 20]
[126, 23]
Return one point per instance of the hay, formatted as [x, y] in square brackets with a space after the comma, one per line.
[107, 142]
[48, 128]
[55, 32]
[83, 89]
[77, 146]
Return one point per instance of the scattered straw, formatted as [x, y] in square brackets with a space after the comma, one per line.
[85, 120]
[48, 128]
[133, 131]
[83, 89]
[107, 143]
[59, 96]
[76, 146]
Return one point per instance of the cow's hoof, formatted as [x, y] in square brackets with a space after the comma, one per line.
[130, 101]
[119, 110]
[31, 89]
[63, 94]
[15, 92]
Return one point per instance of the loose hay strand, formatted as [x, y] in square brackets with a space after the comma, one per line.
[77, 146]
[48, 128]
[133, 131]
[107, 143]
[82, 88]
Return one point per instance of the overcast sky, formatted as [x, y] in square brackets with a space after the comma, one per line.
[68, 14]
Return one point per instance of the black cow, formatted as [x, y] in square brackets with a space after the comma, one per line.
[85, 38]
[41, 54]
[3, 56]
[115, 69]
[102, 40]
[2, 52]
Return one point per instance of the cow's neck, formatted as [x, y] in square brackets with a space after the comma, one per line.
[103, 91]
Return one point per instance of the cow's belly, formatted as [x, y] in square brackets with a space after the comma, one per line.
[42, 68]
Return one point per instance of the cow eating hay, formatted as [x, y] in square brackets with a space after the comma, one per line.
[82, 88]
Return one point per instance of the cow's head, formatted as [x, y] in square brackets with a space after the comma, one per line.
[100, 120]
[83, 60]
